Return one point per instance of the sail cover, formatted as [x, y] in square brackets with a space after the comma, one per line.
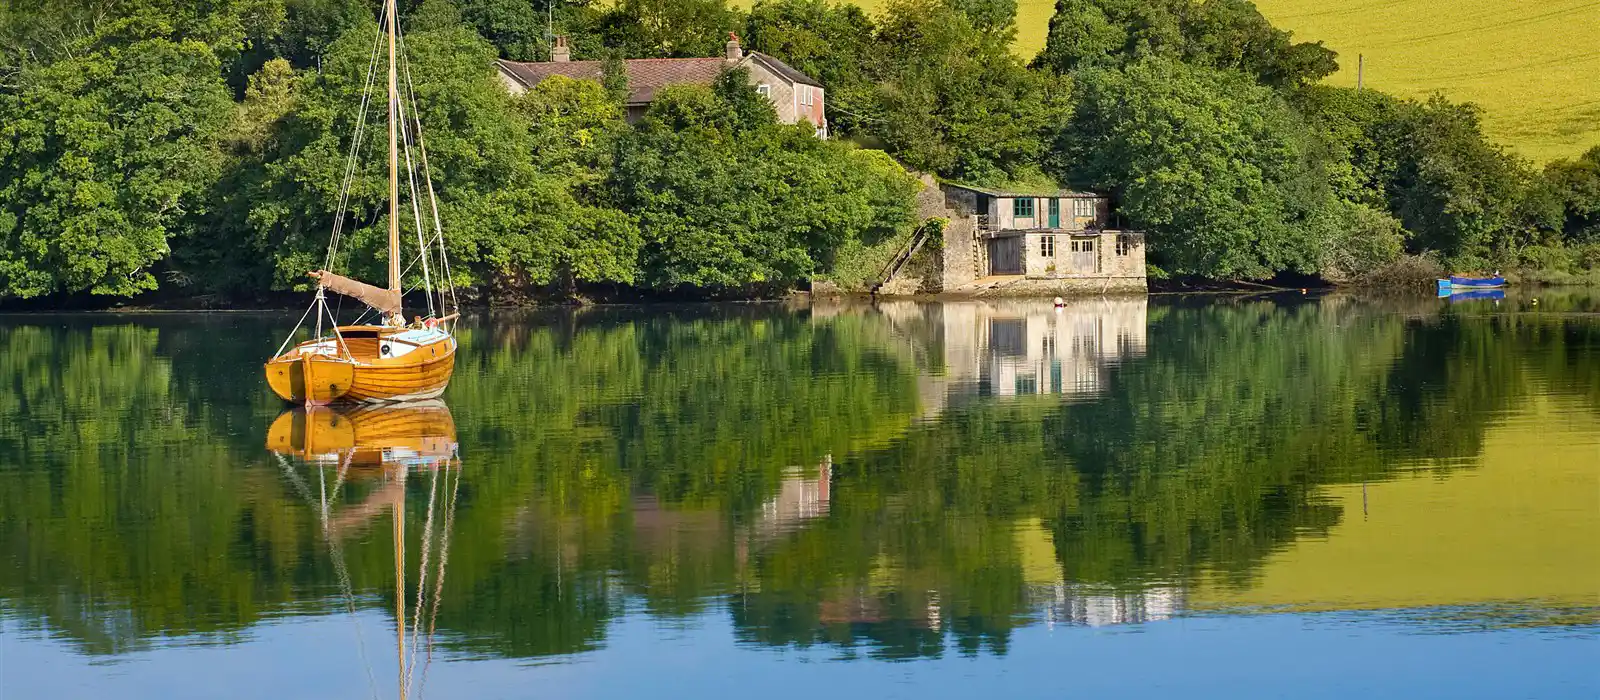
[386, 301]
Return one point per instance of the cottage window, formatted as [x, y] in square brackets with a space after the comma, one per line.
[805, 95]
[1022, 208]
[1082, 208]
[1047, 246]
[1124, 245]
[764, 90]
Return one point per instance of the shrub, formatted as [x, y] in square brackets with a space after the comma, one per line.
[1411, 272]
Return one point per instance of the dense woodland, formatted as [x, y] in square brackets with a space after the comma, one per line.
[196, 147]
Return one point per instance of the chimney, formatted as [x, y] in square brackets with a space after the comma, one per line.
[734, 52]
[560, 53]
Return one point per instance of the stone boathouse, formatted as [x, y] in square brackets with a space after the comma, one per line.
[1025, 241]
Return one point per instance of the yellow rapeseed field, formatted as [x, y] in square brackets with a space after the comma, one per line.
[1533, 65]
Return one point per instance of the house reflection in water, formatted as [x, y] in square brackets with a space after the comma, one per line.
[802, 496]
[1066, 604]
[1018, 347]
[1062, 602]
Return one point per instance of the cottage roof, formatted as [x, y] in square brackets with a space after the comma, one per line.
[787, 71]
[646, 76]
[1022, 191]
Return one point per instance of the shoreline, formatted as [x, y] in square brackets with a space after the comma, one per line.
[1532, 281]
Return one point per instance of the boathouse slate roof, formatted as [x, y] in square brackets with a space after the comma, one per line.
[646, 76]
[1022, 191]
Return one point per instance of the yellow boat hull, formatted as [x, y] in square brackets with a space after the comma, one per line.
[364, 364]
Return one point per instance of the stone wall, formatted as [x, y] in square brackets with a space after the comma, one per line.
[782, 95]
[1065, 286]
[1108, 263]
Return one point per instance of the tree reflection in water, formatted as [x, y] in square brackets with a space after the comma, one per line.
[907, 478]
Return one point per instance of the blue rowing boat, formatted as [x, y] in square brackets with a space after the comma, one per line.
[1477, 282]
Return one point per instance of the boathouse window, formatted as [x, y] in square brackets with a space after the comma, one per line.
[1124, 245]
[1022, 208]
[1082, 207]
[1047, 246]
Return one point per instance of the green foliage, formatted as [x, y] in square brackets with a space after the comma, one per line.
[1215, 167]
[115, 185]
[989, 16]
[954, 100]
[1361, 240]
[1455, 192]
[669, 28]
[830, 42]
[1223, 34]
[1358, 155]
[510, 222]
[575, 127]
[1429, 164]
[101, 156]
[730, 199]
[1571, 188]
[518, 28]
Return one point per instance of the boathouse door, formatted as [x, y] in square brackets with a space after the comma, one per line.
[1081, 256]
[1005, 255]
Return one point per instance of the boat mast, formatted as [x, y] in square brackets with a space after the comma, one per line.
[399, 513]
[394, 160]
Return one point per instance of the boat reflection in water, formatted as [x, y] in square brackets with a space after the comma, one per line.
[385, 446]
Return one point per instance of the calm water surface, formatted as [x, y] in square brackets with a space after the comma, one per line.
[1324, 498]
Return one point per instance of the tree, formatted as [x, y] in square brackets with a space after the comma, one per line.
[101, 156]
[1455, 192]
[827, 41]
[508, 224]
[1347, 122]
[669, 28]
[996, 17]
[1569, 192]
[575, 127]
[1225, 34]
[1429, 164]
[217, 253]
[1216, 168]
[729, 199]
[522, 29]
[954, 100]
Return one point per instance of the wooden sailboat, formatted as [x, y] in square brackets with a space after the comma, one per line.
[388, 360]
[383, 445]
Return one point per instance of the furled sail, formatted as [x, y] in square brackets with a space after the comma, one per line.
[386, 301]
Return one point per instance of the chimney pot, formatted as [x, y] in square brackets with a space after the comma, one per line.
[560, 53]
[734, 51]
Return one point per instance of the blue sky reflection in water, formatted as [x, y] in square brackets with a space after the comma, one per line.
[1258, 498]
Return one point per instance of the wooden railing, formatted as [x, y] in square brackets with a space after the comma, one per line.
[903, 257]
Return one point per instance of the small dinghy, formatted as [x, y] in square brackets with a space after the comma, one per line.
[1477, 282]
